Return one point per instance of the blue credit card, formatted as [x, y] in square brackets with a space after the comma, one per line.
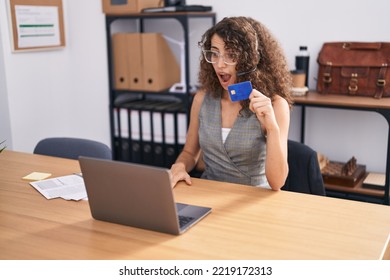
[240, 91]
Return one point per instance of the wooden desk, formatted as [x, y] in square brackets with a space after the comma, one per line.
[359, 103]
[246, 223]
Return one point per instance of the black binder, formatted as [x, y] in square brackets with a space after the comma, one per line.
[162, 150]
[159, 148]
[141, 150]
[172, 149]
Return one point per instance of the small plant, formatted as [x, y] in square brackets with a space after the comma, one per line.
[2, 148]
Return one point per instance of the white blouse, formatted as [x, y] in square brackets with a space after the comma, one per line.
[225, 133]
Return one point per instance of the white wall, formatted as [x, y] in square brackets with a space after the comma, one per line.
[65, 92]
[5, 127]
[59, 92]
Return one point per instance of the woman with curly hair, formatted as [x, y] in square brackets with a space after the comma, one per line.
[242, 142]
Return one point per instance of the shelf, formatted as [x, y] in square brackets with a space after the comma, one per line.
[354, 102]
[158, 130]
[359, 103]
[162, 15]
[357, 189]
[143, 94]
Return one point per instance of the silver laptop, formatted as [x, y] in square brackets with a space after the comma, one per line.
[136, 195]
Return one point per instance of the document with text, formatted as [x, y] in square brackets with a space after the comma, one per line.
[70, 187]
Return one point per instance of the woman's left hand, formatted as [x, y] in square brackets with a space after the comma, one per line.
[261, 105]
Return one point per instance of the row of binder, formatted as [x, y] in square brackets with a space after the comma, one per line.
[143, 61]
[149, 132]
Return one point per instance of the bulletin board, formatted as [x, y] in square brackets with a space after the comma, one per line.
[36, 24]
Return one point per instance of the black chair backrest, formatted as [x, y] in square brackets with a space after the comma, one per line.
[304, 171]
[72, 148]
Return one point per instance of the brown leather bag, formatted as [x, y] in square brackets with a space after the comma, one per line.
[354, 68]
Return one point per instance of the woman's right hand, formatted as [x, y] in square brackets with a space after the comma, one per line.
[179, 173]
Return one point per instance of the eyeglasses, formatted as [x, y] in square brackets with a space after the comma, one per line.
[213, 57]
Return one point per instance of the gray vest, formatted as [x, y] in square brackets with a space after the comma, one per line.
[241, 159]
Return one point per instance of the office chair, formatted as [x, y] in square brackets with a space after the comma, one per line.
[72, 148]
[304, 174]
[198, 170]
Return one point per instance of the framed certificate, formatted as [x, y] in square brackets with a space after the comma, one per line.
[36, 24]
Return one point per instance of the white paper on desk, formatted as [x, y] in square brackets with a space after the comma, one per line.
[70, 187]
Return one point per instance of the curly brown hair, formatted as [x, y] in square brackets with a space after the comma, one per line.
[242, 35]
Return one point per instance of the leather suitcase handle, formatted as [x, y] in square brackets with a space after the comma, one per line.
[361, 46]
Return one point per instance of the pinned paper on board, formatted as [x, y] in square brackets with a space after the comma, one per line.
[36, 24]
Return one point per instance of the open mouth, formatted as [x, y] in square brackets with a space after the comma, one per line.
[225, 77]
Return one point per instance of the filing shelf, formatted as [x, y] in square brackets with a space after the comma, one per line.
[381, 106]
[125, 148]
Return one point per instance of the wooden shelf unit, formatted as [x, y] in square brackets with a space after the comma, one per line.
[357, 103]
[140, 150]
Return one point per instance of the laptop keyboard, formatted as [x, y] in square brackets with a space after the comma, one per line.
[183, 220]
